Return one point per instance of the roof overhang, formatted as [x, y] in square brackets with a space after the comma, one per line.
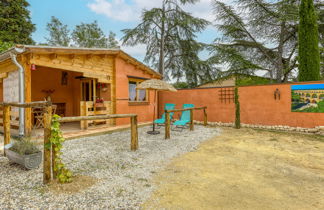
[24, 49]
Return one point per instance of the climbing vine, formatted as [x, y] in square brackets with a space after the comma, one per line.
[63, 174]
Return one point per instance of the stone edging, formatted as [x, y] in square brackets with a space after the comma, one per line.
[317, 130]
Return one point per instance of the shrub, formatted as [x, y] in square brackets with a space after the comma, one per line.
[24, 147]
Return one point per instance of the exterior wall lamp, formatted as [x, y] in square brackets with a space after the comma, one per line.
[277, 94]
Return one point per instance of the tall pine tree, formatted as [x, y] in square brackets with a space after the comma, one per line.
[257, 35]
[169, 34]
[320, 8]
[309, 57]
[15, 23]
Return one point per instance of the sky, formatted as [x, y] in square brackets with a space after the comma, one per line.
[112, 15]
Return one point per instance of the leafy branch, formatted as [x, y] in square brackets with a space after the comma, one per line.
[64, 175]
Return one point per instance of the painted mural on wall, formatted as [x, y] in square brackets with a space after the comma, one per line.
[307, 98]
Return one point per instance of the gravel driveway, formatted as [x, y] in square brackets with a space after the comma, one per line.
[124, 177]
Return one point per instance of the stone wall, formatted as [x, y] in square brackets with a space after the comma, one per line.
[11, 87]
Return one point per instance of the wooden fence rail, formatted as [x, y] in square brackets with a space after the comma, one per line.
[191, 124]
[48, 156]
[133, 118]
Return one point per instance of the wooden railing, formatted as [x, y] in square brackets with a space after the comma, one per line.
[14, 122]
[133, 118]
[191, 124]
[89, 108]
[47, 117]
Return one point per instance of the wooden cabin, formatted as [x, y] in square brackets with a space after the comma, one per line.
[78, 81]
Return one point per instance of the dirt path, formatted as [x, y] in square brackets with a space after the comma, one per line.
[245, 169]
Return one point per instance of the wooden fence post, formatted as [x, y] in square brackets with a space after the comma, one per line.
[191, 120]
[134, 133]
[205, 117]
[167, 125]
[6, 125]
[47, 144]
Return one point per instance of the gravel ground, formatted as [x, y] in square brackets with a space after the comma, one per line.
[124, 177]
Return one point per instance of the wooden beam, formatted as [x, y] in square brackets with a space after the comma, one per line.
[84, 112]
[97, 117]
[26, 105]
[187, 109]
[28, 111]
[134, 134]
[47, 145]
[74, 67]
[67, 51]
[6, 125]
[205, 117]
[94, 90]
[8, 66]
[3, 75]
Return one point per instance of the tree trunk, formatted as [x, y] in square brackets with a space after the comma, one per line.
[280, 65]
[161, 58]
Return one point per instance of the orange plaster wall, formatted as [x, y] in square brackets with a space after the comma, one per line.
[257, 106]
[144, 112]
[217, 111]
[48, 78]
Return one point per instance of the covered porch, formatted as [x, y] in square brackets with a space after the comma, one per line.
[72, 94]
[77, 83]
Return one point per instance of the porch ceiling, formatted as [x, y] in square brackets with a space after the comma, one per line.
[92, 66]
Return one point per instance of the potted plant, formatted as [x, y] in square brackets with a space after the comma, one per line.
[24, 153]
[99, 102]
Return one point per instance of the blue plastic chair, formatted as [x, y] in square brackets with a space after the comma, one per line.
[161, 121]
[185, 117]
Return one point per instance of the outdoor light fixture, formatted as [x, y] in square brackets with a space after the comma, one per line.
[277, 94]
[33, 67]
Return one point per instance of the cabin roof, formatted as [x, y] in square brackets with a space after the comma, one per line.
[23, 49]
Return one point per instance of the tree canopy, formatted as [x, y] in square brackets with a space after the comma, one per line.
[59, 34]
[308, 53]
[169, 34]
[320, 8]
[15, 23]
[89, 35]
[257, 35]
[111, 40]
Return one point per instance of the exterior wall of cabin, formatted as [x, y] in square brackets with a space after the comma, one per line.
[10, 85]
[108, 69]
[9, 92]
[144, 110]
